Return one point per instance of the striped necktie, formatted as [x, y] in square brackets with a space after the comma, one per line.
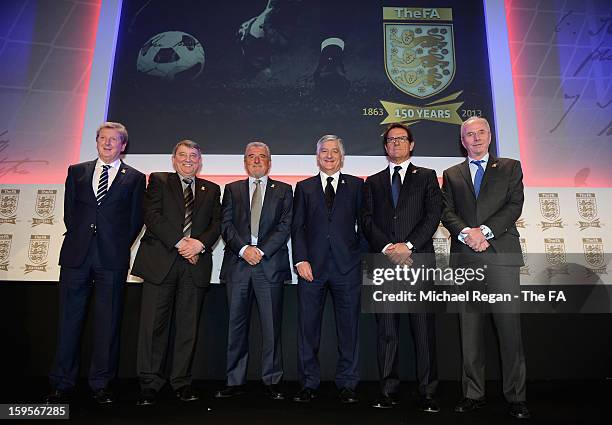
[102, 184]
[188, 197]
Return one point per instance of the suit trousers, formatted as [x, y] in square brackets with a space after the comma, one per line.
[75, 288]
[269, 297]
[508, 326]
[176, 294]
[346, 295]
[423, 330]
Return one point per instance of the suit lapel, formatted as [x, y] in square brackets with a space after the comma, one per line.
[176, 188]
[464, 169]
[491, 168]
[112, 190]
[340, 191]
[244, 194]
[386, 185]
[86, 182]
[199, 195]
[268, 201]
[406, 183]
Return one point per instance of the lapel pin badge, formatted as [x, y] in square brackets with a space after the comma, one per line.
[343, 181]
[414, 171]
[494, 165]
[203, 188]
[123, 171]
[272, 185]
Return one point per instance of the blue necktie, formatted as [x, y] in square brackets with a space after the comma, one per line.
[396, 184]
[479, 175]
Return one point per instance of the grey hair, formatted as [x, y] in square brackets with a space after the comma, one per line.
[189, 144]
[117, 126]
[257, 144]
[470, 120]
[327, 138]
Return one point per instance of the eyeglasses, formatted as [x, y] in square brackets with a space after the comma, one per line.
[400, 139]
[480, 133]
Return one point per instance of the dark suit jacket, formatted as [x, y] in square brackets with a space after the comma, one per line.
[499, 205]
[274, 231]
[164, 214]
[416, 217]
[315, 229]
[116, 222]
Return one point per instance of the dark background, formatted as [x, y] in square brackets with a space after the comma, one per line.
[557, 346]
[222, 109]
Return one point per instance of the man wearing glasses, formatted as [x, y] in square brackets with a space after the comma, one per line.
[483, 198]
[400, 212]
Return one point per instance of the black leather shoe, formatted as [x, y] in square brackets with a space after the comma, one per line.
[519, 410]
[104, 396]
[386, 401]
[273, 392]
[306, 395]
[148, 397]
[230, 391]
[469, 404]
[57, 397]
[187, 393]
[348, 396]
[428, 404]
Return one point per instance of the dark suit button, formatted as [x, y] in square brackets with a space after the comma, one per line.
[327, 236]
[92, 225]
[394, 217]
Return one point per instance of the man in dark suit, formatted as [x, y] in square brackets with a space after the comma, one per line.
[401, 212]
[182, 215]
[103, 217]
[483, 198]
[256, 225]
[327, 246]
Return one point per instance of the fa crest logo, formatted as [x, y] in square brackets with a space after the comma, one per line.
[555, 255]
[38, 249]
[594, 255]
[550, 210]
[9, 200]
[419, 58]
[525, 268]
[587, 210]
[5, 251]
[45, 205]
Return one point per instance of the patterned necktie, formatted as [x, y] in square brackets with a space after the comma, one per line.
[256, 208]
[479, 175]
[396, 184]
[188, 197]
[330, 194]
[102, 184]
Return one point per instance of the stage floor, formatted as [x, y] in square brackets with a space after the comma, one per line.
[550, 402]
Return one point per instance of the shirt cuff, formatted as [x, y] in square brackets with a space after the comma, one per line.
[409, 245]
[486, 231]
[242, 250]
[176, 245]
[385, 247]
[462, 235]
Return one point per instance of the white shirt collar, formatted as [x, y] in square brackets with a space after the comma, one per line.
[484, 160]
[115, 164]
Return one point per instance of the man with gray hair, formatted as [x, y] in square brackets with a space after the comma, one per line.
[256, 223]
[183, 217]
[327, 246]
